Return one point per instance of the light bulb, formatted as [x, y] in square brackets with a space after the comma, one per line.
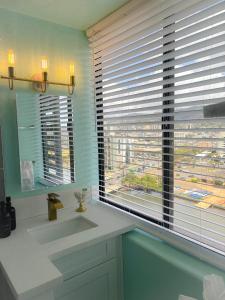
[11, 58]
[44, 64]
[72, 69]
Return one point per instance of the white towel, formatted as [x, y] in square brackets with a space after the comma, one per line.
[213, 288]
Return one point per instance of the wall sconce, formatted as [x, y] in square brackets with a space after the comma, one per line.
[44, 67]
[72, 79]
[44, 82]
[11, 65]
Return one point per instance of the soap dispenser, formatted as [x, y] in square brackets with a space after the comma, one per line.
[12, 212]
[5, 221]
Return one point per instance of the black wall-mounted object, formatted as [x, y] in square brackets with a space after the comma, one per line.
[5, 221]
[12, 212]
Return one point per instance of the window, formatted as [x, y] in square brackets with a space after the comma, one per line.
[56, 118]
[160, 87]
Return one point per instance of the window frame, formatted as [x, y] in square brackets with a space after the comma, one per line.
[167, 158]
[110, 41]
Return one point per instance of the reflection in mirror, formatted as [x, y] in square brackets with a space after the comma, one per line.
[46, 140]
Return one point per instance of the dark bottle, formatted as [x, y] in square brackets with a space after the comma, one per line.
[5, 221]
[12, 212]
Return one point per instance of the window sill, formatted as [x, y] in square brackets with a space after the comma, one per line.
[175, 239]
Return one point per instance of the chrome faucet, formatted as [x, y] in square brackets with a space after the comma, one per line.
[53, 204]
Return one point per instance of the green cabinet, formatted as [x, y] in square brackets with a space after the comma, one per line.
[93, 273]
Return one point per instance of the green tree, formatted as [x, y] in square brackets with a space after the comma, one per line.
[144, 182]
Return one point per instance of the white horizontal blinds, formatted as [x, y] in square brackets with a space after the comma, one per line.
[200, 178]
[131, 149]
[56, 118]
[161, 150]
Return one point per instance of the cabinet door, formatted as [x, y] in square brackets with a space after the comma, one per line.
[99, 283]
[77, 262]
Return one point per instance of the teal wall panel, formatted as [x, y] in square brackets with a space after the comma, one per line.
[32, 38]
[154, 270]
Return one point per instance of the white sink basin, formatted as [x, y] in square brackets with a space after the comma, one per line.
[57, 231]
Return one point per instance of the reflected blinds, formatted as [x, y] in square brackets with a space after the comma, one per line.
[56, 118]
[161, 154]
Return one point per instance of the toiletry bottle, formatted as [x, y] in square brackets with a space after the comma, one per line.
[12, 212]
[5, 221]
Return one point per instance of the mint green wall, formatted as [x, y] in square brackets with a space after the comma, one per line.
[79, 14]
[30, 39]
[155, 270]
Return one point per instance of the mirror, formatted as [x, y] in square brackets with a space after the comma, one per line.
[46, 140]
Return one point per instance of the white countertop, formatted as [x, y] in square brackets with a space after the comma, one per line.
[27, 264]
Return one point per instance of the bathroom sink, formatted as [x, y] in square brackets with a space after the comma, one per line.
[57, 231]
